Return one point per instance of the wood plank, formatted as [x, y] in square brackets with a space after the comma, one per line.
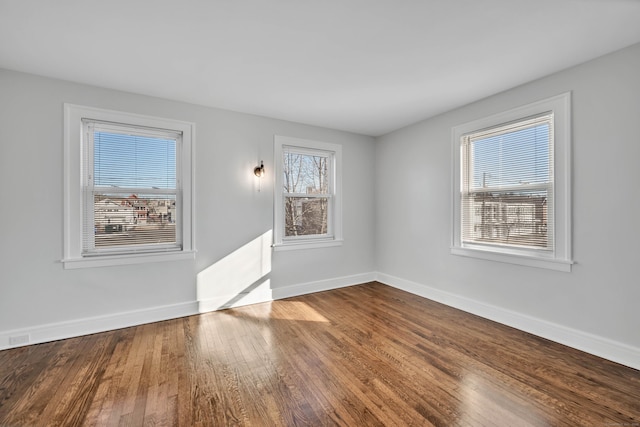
[363, 355]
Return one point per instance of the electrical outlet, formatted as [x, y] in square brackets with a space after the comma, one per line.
[19, 339]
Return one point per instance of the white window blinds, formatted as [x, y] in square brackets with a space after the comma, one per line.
[131, 191]
[507, 185]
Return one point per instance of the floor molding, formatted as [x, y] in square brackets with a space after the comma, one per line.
[322, 285]
[74, 328]
[596, 345]
[589, 343]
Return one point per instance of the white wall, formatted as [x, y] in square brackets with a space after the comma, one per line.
[599, 300]
[400, 228]
[39, 297]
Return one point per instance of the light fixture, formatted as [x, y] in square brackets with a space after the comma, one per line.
[259, 170]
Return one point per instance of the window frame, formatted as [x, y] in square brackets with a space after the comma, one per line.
[334, 194]
[470, 189]
[75, 122]
[559, 258]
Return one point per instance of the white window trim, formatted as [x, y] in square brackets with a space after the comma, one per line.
[560, 258]
[73, 116]
[306, 242]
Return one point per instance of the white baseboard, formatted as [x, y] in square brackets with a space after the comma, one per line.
[92, 325]
[262, 292]
[593, 344]
[322, 285]
[589, 343]
[75, 328]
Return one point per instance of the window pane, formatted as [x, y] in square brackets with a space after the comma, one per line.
[514, 158]
[136, 219]
[305, 174]
[132, 161]
[519, 219]
[306, 216]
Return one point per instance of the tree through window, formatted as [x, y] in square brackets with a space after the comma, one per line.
[307, 196]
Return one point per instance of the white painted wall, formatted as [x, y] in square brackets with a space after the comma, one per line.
[600, 298]
[39, 297]
[399, 228]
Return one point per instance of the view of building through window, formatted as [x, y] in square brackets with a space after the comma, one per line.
[134, 190]
[134, 220]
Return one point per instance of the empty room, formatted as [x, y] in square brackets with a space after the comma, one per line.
[315, 213]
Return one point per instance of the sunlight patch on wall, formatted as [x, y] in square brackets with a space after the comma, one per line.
[239, 278]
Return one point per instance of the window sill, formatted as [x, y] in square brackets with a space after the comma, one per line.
[112, 260]
[527, 260]
[307, 244]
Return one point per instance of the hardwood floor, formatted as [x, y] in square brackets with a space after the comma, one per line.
[360, 356]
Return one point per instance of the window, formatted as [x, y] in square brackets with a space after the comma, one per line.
[512, 180]
[307, 196]
[507, 185]
[128, 188]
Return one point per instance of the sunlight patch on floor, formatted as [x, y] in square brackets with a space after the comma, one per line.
[296, 310]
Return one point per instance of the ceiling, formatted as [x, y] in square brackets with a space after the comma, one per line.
[365, 66]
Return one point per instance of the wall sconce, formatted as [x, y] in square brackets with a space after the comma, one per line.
[259, 170]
